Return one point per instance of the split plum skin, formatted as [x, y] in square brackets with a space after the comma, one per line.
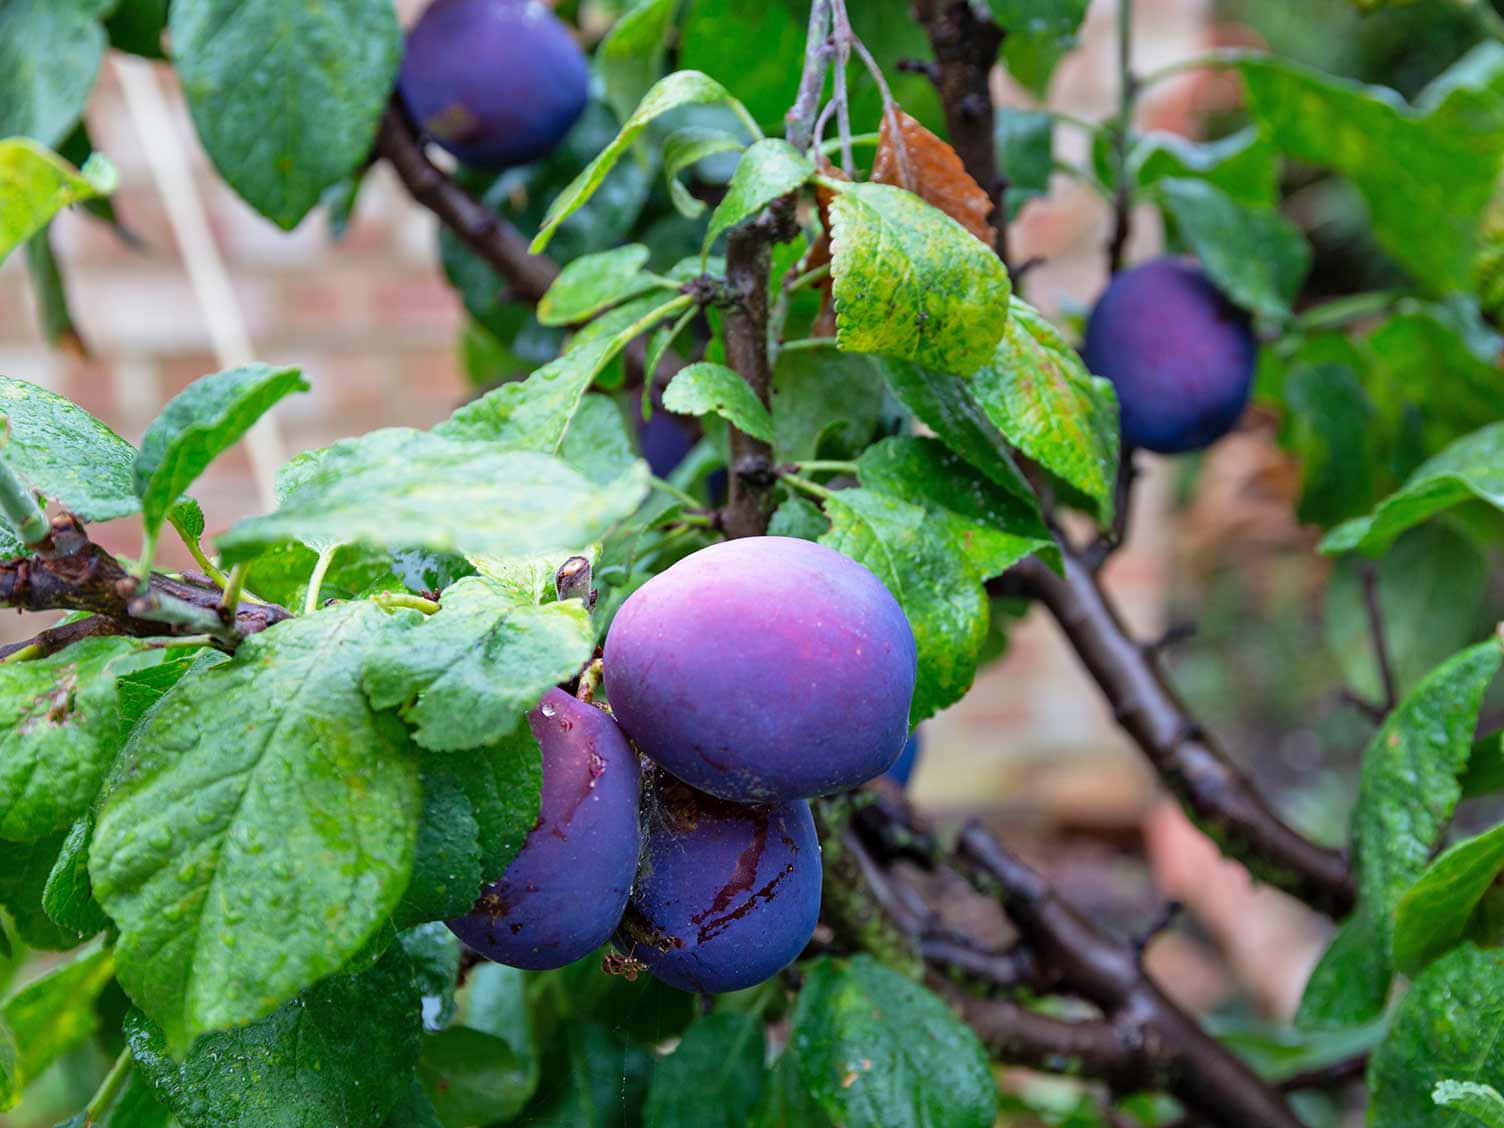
[562, 895]
[728, 894]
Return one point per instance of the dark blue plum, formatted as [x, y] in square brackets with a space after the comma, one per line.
[1180, 355]
[727, 893]
[665, 441]
[566, 889]
[903, 767]
[764, 669]
[496, 82]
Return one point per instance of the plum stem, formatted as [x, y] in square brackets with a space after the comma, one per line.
[316, 580]
[807, 486]
[109, 1089]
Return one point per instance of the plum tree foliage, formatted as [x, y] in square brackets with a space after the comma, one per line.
[437, 794]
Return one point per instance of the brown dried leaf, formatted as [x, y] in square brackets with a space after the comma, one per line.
[935, 173]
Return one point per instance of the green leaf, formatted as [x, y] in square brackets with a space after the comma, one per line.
[49, 54]
[994, 528]
[685, 147]
[399, 488]
[1430, 586]
[915, 558]
[473, 1077]
[1039, 33]
[535, 414]
[593, 283]
[798, 517]
[598, 443]
[1472, 467]
[1482, 1102]
[786, 1103]
[66, 454]
[342, 1053]
[1041, 397]
[414, 1110]
[464, 676]
[705, 387]
[50, 292]
[877, 1049]
[68, 896]
[199, 424]
[644, 1010]
[446, 875]
[24, 869]
[1425, 173]
[137, 26]
[1427, 339]
[11, 1081]
[712, 1078]
[1409, 784]
[769, 169]
[1434, 913]
[630, 58]
[140, 689]
[589, 1080]
[1026, 152]
[948, 406]
[911, 282]
[261, 827]
[285, 94]
[1450, 1027]
[503, 782]
[1406, 792]
[1244, 165]
[681, 88]
[54, 1012]
[1254, 255]
[1330, 427]
[826, 403]
[59, 732]
[1350, 983]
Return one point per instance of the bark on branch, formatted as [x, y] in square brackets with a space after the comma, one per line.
[1220, 798]
[72, 573]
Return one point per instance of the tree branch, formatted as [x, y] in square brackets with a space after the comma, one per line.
[72, 573]
[965, 43]
[1221, 799]
[481, 229]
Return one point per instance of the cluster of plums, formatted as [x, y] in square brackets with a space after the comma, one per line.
[751, 676]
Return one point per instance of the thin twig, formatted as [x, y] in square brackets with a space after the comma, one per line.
[1122, 207]
[799, 122]
[1370, 574]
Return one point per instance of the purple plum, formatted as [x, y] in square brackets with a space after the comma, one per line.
[565, 891]
[727, 893]
[496, 82]
[1180, 355]
[764, 669]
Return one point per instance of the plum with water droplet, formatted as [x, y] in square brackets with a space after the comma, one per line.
[764, 669]
[1179, 354]
[564, 892]
[727, 893]
[498, 83]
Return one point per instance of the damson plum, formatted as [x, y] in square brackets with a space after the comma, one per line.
[566, 889]
[764, 669]
[727, 893]
[496, 82]
[1180, 355]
